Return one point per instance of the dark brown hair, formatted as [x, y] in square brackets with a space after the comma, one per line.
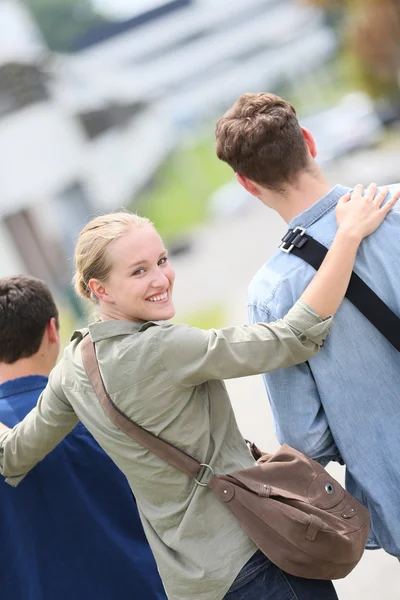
[260, 137]
[26, 307]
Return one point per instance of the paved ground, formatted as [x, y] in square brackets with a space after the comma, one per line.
[217, 271]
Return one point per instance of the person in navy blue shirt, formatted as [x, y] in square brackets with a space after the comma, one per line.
[72, 528]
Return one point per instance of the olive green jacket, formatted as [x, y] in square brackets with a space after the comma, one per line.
[168, 379]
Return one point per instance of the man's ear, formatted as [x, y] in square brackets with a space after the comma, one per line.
[52, 331]
[248, 185]
[310, 142]
[98, 289]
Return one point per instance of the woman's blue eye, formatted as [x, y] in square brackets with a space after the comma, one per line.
[138, 272]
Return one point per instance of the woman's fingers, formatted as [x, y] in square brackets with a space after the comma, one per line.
[371, 195]
[370, 191]
[390, 203]
[357, 191]
[365, 210]
[345, 198]
[379, 198]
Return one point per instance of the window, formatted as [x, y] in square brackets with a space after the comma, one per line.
[97, 122]
[20, 85]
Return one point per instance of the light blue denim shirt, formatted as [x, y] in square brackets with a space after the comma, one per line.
[344, 404]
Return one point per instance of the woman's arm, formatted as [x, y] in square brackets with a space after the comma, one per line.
[357, 217]
[38, 433]
[193, 356]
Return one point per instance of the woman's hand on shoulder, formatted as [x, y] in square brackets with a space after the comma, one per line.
[360, 214]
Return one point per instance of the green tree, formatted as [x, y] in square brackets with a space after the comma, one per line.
[370, 32]
[63, 21]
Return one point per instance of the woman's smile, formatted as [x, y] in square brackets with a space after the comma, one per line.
[159, 298]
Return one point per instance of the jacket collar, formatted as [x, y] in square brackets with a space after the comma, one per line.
[100, 330]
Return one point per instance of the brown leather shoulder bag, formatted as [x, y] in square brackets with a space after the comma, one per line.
[293, 510]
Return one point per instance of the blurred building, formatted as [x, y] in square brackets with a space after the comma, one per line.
[39, 153]
[197, 56]
[68, 149]
[85, 132]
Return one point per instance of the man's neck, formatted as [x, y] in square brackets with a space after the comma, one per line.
[296, 199]
[23, 368]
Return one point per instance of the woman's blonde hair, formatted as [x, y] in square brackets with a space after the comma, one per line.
[92, 260]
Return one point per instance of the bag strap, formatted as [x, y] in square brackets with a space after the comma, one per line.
[172, 455]
[301, 244]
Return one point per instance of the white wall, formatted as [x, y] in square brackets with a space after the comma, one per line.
[10, 262]
[199, 78]
[20, 39]
[121, 161]
[161, 33]
[40, 152]
[43, 150]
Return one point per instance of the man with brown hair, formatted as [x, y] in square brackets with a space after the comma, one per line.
[343, 405]
[71, 529]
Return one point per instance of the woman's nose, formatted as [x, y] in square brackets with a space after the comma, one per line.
[160, 279]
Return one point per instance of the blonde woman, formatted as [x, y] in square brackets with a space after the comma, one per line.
[168, 378]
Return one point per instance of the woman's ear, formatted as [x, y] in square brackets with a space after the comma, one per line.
[99, 290]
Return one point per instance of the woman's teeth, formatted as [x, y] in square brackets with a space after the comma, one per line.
[159, 297]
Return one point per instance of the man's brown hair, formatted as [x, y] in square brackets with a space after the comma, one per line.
[260, 138]
[26, 307]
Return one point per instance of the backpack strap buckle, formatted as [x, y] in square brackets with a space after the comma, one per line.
[294, 238]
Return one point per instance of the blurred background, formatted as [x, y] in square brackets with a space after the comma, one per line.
[110, 103]
[113, 103]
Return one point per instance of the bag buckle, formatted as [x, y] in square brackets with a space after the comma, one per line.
[294, 238]
[212, 473]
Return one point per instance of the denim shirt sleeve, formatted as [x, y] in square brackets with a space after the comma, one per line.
[299, 417]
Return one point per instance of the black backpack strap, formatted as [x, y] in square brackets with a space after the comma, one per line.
[298, 242]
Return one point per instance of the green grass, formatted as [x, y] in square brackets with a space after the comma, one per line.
[68, 323]
[178, 197]
[391, 139]
[211, 317]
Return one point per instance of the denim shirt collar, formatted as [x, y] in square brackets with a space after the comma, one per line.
[321, 207]
[20, 385]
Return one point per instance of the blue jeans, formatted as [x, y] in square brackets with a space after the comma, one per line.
[260, 579]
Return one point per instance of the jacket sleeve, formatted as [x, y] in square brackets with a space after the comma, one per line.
[193, 356]
[38, 433]
[299, 416]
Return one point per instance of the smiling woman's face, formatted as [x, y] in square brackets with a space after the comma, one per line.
[140, 283]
